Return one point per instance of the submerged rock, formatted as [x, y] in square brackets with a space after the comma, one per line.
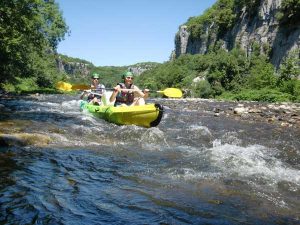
[24, 139]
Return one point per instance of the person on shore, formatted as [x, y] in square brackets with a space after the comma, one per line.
[128, 94]
[97, 91]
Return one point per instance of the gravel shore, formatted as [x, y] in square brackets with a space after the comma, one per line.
[281, 114]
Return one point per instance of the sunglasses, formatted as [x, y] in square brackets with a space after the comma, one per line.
[129, 78]
[95, 78]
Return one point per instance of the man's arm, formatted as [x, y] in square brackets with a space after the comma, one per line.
[115, 93]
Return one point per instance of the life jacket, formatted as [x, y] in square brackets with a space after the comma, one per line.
[124, 97]
[98, 92]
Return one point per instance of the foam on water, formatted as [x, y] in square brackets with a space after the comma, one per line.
[190, 174]
[255, 162]
[153, 139]
[71, 105]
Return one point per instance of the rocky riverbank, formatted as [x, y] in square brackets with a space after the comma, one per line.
[281, 114]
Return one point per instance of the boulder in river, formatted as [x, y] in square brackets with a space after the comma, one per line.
[24, 139]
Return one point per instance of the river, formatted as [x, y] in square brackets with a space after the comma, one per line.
[193, 168]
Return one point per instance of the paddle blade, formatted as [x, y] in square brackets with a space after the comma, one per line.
[63, 86]
[172, 92]
[80, 87]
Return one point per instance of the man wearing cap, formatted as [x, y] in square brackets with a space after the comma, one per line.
[127, 94]
[97, 91]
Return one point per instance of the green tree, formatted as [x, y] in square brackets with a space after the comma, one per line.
[29, 30]
[289, 12]
[202, 89]
[262, 73]
[290, 68]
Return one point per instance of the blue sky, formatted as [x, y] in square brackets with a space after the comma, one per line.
[125, 32]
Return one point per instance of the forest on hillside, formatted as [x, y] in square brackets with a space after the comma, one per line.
[232, 74]
[228, 75]
[31, 30]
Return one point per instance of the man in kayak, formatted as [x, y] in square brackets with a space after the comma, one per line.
[97, 91]
[127, 94]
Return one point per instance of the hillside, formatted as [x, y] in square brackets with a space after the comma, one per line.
[237, 50]
[273, 25]
[79, 70]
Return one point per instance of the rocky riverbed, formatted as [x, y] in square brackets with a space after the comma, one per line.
[208, 161]
[281, 114]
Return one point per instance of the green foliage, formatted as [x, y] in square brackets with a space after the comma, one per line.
[289, 13]
[176, 73]
[290, 86]
[66, 59]
[110, 75]
[8, 87]
[226, 68]
[262, 73]
[297, 91]
[30, 30]
[25, 84]
[290, 68]
[21, 85]
[220, 17]
[262, 95]
[250, 5]
[202, 89]
[230, 75]
[289, 74]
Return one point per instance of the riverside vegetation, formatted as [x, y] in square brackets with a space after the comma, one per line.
[31, 30]
[233, 73]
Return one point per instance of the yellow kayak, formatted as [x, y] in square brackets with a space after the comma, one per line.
[146, 116]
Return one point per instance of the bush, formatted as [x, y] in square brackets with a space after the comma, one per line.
[297, 91]
[264, 95]
[262, 74]
[203, 89]
[26, 84]
[8, 87]
[289, 87]
[289, 12]
[227, 95]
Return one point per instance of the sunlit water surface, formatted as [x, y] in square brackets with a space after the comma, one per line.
[193, 168]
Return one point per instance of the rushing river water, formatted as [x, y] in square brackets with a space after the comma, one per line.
[193, 168]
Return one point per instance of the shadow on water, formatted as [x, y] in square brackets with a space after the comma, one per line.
[191, 169]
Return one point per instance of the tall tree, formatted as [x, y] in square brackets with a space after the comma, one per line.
[28, 29]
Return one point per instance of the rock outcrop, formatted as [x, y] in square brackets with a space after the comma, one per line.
[139, 68]
[72, 68]
[263, 28]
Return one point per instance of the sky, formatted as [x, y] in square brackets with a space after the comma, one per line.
[125, 32]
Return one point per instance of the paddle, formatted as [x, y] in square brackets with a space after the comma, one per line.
[63, 86]
[171, 92]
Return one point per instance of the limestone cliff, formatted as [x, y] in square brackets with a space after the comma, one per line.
[262, 26]
[73, 67]
[139, 68]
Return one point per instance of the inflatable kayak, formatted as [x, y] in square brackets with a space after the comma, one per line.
[146, 116]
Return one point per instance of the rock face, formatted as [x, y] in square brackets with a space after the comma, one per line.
[72, 68]
[139, 68]
[263, 29]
